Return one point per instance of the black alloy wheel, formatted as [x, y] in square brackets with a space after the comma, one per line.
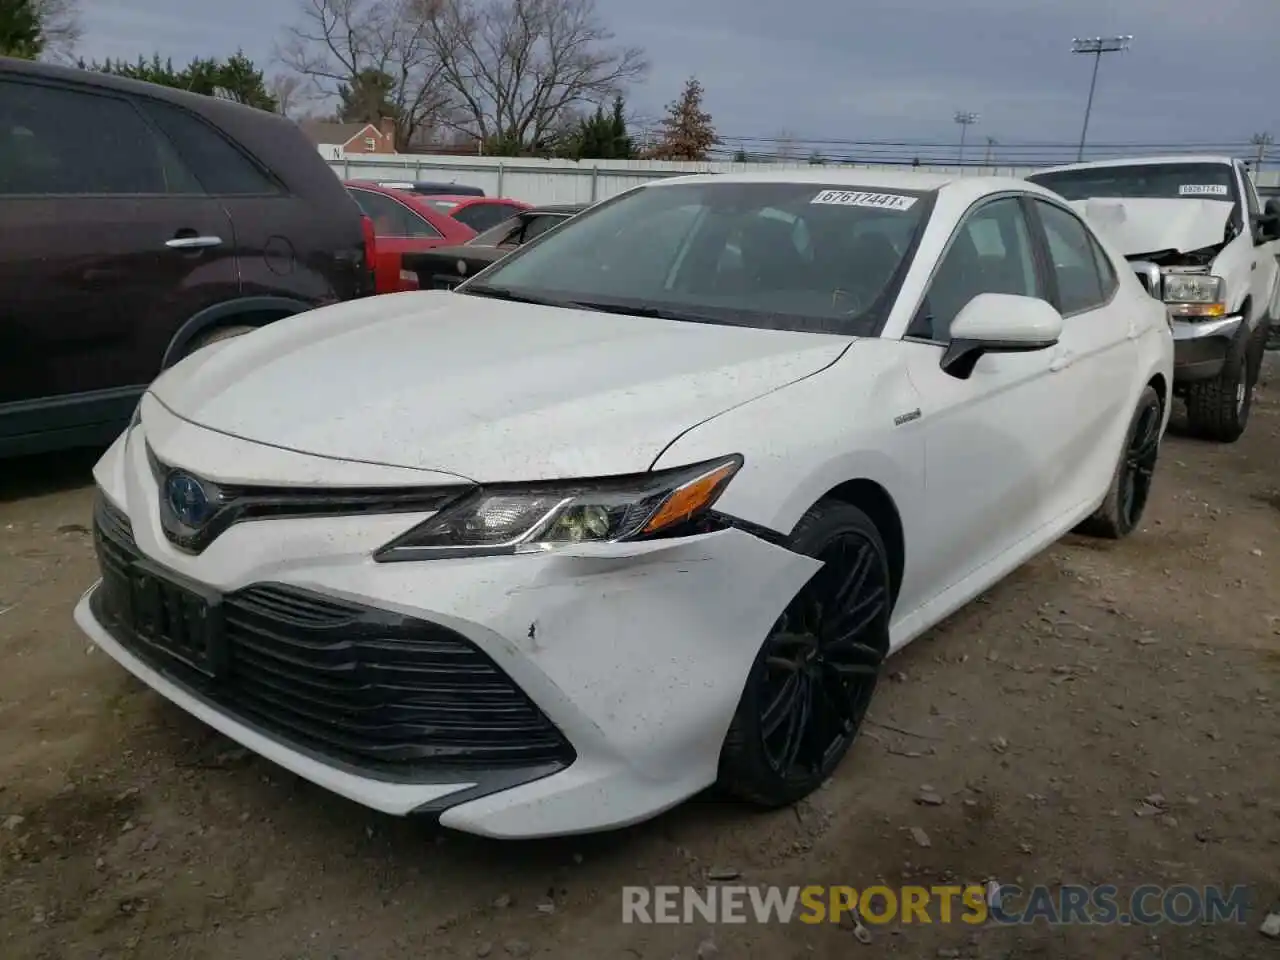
[1139, 464]
[812, 682]
[1126, 499]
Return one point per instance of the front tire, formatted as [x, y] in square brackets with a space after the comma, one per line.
[1126, 500]
[1219, 409]
[808, 690]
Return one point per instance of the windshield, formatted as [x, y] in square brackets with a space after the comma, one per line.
[790, 256]
[440, 206]
[505, 232]
[1156, 181]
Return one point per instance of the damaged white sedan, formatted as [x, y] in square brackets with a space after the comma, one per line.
[638, 510]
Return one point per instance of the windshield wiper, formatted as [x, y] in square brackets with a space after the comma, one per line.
[506, 293]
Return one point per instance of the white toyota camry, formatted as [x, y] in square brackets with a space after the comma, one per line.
[640, 509]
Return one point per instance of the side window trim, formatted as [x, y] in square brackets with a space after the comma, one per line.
[1093, 246]
[973, 209]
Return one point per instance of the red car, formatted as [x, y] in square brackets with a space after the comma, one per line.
[403, 222]
[478, 213]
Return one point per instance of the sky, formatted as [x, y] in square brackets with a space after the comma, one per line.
[1199, 71]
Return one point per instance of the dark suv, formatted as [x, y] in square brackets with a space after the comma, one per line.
[139, 224]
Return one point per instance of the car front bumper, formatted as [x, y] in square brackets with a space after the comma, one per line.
[635, 654]
[1201, 348]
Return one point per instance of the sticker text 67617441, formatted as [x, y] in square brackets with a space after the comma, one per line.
[861, 198]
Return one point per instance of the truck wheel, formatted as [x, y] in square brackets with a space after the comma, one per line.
[1219, 409]
[1126, 499]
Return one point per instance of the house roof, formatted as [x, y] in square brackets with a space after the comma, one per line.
[321, 131]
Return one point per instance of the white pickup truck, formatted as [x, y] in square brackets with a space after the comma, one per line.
[1196, 234]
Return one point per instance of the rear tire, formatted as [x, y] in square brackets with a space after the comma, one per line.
[1126, 500]
[813, 678]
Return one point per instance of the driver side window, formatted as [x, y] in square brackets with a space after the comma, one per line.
[991, 252]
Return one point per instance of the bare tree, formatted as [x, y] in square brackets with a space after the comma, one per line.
[288, 93]
[338, 42]
[59, 27]
[517, 68]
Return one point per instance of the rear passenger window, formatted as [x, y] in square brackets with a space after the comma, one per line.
[1075, 262]
[57, 141]
[220, 166]
[481, 216]
[1105, 270]
[392, 218]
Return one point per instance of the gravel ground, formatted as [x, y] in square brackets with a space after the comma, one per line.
[1097, 675]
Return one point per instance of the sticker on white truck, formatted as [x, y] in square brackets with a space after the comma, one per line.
[1202, 190]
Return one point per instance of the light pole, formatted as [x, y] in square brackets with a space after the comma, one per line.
[1263, 142]
[992, 143]
[1096, 46]
[964, 118]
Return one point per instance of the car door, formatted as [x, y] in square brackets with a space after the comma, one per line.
[274, 228]
[1264, 279]
[1097, 354]
[108, 241]
[995, 442]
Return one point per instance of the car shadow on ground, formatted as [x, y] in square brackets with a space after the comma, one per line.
[46, 473]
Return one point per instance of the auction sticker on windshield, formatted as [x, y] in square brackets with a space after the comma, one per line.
[860, 198]
[1202, 190]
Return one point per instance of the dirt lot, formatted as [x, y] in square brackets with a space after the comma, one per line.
[1042, 714]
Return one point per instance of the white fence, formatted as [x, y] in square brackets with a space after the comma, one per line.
[568, 181]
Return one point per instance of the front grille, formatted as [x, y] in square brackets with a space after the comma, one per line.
[388, 694]
[232, 504]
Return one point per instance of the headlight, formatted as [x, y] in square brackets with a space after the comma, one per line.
[534, 517]
[1195, 295]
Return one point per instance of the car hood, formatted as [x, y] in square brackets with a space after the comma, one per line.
[1142, 225]
[481, 388]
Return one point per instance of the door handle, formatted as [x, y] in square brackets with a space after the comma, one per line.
[1061, 362]
[193, 243]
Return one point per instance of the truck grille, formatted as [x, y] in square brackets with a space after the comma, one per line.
[391, 695]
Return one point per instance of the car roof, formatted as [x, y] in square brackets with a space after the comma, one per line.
[833, 176]
[469, 200]
[209, 106]
[963, 188]
[1136, 162]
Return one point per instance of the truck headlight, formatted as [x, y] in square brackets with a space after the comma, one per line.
[1195, 295]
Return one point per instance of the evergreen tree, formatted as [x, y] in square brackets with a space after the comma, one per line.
[20, 32]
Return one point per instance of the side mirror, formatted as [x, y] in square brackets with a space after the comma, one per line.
[1266, 226]
[999, 323]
